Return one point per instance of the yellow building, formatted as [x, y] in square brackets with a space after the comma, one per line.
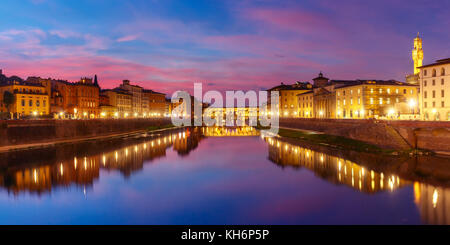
[305, 105]
[288, 101]
[417, 54]
[377, 99]
[29, 99]
[121, 100]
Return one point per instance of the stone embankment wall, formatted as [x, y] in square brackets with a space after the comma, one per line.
[34, 131]
[434, 136]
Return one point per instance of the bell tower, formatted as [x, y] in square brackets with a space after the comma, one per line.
[417, 53]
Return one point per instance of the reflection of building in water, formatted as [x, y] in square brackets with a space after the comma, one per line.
[433, 203]
[85, 169]
[332, 168]
[229, 131]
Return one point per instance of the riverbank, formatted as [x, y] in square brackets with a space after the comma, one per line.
[23, 132]
[404, 136]
[30, 146]
[340, 142]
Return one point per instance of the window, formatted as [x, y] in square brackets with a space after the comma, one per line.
[425, 83]
[424, 72]
[396, 90]
[381, 101]
[371, 101]
[404, 91]
[425, 104]
[388, 90]
[359, 101]
[388, 101]
[411, 91]
[371, 90]
[433, 73]
[442, 93]
[434, 82]
[442, 81]
[23, 102]
[434, 104]
[442, 104]
[37, 103]
[434, 94]
[380, 90]
[425, 94]
[30, 103]
[442, 71]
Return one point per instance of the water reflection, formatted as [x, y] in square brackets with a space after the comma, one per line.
[433, 202]
[333, 168]
[41, 171]
[61, 171]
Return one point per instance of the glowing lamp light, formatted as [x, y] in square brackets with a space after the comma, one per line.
[126, 115]
[135, 114]
[412, 103]
[434, 110]
[103, 114]
[391, 111]
[116, 114]
[321, 113]
[35, 113]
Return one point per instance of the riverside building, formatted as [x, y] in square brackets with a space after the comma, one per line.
[434, 90]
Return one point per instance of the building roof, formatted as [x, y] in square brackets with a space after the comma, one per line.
[21, 84]
[116, 90]
[438, 62]
[309, 92]
[295, 86]
[349, 83]
[151, 91]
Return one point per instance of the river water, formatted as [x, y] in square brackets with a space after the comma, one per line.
[219, 176]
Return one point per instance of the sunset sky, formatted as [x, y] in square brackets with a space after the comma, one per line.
[167, 45]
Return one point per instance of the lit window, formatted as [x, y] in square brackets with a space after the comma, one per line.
[381, 101]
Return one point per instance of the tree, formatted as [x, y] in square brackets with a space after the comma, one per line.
[8, 99]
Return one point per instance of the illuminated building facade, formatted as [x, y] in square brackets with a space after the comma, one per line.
[288, 100]
[156, 103]
[305, 105]
[136, 92]
[87, 99]
[29, 99]
[121, 100]
[363, 99]
[434, 90]
[417, 57]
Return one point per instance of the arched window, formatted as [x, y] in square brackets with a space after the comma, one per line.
[442, 71]
[433, 73]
